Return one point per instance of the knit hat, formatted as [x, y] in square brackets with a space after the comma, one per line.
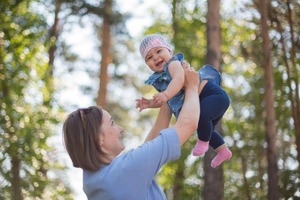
[152, 41]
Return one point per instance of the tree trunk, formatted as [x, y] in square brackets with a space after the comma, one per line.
[178, 184]
[295, 106]
[16, 180]
[292, 75]
[53, 36]
[213, 55]
[272, 154]
[213, 178]
[105, 55]
[246, 184]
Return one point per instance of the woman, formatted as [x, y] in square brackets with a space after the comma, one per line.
[93, 142]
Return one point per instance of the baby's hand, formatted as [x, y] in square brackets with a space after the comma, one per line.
[142, 103]
[160, 98]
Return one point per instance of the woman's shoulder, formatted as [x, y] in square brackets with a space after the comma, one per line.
[156, 146]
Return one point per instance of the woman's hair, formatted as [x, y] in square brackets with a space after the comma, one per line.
[81, 132]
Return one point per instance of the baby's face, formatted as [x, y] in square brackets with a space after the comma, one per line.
[157, 57]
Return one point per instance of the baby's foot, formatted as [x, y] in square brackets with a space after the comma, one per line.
[200, 148]
[222, 155]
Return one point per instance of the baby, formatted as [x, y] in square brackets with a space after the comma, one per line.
[168, 79]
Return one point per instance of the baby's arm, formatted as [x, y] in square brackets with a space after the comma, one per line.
[177, 75]
[144, 103]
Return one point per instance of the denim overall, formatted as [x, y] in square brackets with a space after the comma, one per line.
[161, 80]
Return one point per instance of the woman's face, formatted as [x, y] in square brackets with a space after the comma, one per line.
[111, 136]
[157, 57]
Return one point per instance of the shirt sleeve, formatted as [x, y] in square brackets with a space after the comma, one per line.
[147, 159]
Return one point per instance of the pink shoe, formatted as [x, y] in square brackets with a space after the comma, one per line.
[200, 148]
[222, 155]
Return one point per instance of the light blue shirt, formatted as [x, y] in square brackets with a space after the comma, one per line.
[130, 176]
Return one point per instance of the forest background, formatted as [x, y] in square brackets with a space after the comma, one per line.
[58, 55]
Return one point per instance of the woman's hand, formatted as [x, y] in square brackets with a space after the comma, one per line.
[191, 76]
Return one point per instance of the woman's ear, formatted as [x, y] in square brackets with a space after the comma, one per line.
[100, 141]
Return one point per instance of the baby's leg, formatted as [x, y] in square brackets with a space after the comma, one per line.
[223, 153]
[217, 141]
[201, 146]
[205, 127]
[213, 104]
[201, 86]
[218, 144]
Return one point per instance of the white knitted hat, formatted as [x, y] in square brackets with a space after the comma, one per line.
[152, 41]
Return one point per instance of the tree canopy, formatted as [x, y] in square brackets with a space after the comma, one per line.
[39, 67]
